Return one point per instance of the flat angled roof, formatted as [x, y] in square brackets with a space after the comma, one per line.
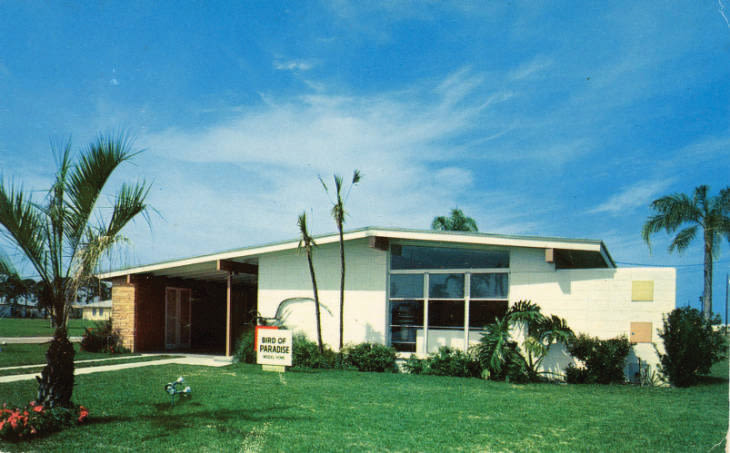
[205, 265]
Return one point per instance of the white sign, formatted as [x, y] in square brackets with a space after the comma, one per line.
[273, 347]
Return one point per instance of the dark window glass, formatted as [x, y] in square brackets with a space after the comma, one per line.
[446, 286]
[416, 257]
[446, 314]
[489, 286]
[406, 285]
[406, 317]
[482, 313]
[406, 313]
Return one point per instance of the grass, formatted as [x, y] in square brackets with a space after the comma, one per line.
[240, 408]
[36, 327]
[109, 360]
[35, 354]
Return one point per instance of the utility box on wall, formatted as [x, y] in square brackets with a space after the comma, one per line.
[640, 332]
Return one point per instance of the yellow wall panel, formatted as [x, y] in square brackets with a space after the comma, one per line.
[642, 290]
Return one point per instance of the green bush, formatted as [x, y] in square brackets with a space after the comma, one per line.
[305, 354]
[445, 362]
[102, 338]
[414, 365]
[691, 346]
[576, 375]
[245, 350]
[603, 360]
[370, 357]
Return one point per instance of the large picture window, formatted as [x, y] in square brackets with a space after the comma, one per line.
[444, 296]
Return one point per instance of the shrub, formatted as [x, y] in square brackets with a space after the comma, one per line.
[576, 375]
[691, 346]
[370, 357]
[305, 354]
[603, 360]
[246, 347]
[452, 362]
[414, 365]
[102, 338]
[33, 420]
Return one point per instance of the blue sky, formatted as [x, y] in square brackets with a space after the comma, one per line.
[541, 118]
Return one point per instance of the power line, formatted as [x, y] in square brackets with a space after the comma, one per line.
[669, 265]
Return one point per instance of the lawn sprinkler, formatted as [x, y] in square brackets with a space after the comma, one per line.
[172, 389]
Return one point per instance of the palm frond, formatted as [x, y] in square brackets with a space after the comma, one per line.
[671, 212]
[324, 184]
[26, 226]
[492, 349]
[682, 240]
[130, 202]
[88, 179]
[440, 223]
[306, 241]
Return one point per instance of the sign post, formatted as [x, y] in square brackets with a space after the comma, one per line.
[273, 349]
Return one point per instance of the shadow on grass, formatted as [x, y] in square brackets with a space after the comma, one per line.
[711, 380]
[223, 420]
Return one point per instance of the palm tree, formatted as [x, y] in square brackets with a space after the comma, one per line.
[457, 221]
[502, 357]
[307, 243]
[338, 213]
[710, 214]
[64, 237]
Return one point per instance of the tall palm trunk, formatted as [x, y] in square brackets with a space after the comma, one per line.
[707, 296]
[316, 301]
[55, 386]
[342, 284]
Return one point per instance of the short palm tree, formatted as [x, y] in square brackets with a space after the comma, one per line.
[502, 357]
[307, 244]
[457, 221]
[710, 214]
[64, 237]
[339, 214]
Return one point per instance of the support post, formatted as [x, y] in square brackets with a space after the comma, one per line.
[229, 281]
[727, 290]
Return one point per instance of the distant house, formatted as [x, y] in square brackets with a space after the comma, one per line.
[95, 311]
[410, 289]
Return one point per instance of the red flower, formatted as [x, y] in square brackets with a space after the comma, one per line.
[83, 414]
[38, 409]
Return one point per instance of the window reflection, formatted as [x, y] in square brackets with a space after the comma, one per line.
[446, 285]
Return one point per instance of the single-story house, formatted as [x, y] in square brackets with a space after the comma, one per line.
[415, 290]
[95, 311]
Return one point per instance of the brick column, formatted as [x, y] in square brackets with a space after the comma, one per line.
[124, 313]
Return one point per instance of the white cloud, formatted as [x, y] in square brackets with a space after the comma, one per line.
[531, 68]
[405, 143]
[641, 194]
[293, 65]
[114, 82]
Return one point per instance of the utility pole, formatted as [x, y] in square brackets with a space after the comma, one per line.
[727, 289]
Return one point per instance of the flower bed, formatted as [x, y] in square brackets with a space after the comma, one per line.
[34, 419]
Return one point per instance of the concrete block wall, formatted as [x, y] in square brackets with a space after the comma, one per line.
[285, 277]
[124, 313]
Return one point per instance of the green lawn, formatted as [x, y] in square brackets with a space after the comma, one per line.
[112, 360]
[240, 408]
[34, 354]
[32, 327]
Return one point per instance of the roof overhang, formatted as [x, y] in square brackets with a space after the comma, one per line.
[243, 262]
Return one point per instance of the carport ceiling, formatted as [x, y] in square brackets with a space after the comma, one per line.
[207, 271]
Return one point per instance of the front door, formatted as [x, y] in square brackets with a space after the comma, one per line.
[177, 318]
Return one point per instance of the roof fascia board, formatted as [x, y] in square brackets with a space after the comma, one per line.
[241, 253]
[590, 246]
[455, 238]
